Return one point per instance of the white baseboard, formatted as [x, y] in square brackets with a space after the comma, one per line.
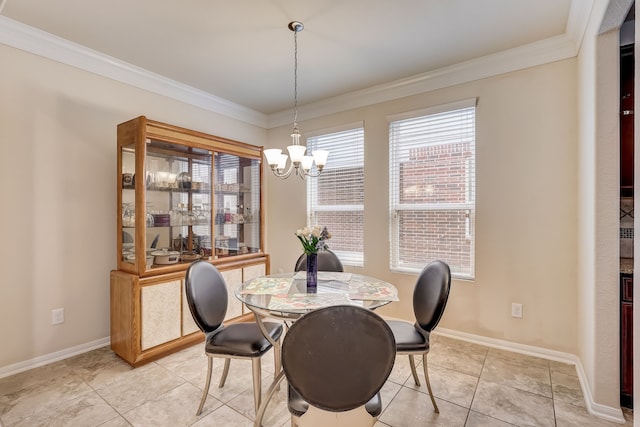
[529, 350]
[15, 368]
[608, 413]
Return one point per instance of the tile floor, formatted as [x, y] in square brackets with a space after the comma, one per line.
[474, 386]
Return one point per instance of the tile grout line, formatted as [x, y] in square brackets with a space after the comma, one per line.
[553, 399]
[484, 361]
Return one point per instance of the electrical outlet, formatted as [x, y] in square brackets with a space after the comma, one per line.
[57, 316]
[516, 310]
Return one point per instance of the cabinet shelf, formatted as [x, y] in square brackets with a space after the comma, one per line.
[172, 190]
[182, 190]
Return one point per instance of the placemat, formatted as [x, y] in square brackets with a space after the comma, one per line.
[306, 301]
[372, 291]
[268, 286]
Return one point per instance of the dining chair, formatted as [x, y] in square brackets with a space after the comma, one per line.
[327, 261]
[207, 298]
[334, 372]
[430, 296]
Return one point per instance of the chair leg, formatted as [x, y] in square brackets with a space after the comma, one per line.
[277, 359]
[426, 378]
[206, 385]
[225, 372]
[265, 403]
[412, 362]
[257, 382]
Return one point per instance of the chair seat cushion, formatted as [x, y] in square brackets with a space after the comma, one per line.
[298, 406]
[242, 339]
[407, 336]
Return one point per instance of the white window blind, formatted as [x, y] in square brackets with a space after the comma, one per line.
[335, 199]
[432, 159]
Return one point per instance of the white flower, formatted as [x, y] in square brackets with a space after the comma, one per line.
[313, 239]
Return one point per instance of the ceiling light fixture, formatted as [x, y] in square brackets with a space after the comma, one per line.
[299, 162]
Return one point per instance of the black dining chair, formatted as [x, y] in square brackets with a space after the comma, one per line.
[430, 297]
[335, 372]
[327, 261]
[207, 297]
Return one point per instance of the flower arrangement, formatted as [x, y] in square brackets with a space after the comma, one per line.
[313, 239]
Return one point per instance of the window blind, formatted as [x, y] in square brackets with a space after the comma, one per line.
[335, 199]
[432, 190]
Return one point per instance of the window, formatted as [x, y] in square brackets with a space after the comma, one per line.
[336, 198]
[432, 160]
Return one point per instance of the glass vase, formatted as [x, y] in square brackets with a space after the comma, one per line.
[312, 273]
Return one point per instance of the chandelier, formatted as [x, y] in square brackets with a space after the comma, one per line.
[299, 162]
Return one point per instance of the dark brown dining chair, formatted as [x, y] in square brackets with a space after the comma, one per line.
[327, 261]
[430, 297]
[335, 373]
[207, 298]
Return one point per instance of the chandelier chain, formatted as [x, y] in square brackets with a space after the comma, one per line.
[295, 78]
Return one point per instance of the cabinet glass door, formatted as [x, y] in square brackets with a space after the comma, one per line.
[237, 205]
[176, 208]
[178, 202]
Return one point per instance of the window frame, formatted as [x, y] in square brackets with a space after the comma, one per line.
[348, 258]
[395, 207]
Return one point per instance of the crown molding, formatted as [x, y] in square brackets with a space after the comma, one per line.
[614, 15]
[538, 53]
[32, 40]
[579, 15]
[38, 42]
[530, 55]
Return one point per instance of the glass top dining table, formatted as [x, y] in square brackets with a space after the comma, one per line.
[286, 295]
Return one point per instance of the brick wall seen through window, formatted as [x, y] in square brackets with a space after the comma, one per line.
[335, 199]
[432, 194]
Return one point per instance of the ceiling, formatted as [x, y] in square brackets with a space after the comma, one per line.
[242, 51]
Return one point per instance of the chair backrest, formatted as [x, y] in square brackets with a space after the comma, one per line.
[430, 294]
[337, 358]
[327, 261]
[206, 295]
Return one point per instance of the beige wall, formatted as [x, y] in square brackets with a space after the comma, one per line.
[57, 180]
[526, 205]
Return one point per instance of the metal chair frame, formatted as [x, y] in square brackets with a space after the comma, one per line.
[436, 273]
[255, 360]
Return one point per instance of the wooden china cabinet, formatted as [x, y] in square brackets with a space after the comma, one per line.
[182, 196]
